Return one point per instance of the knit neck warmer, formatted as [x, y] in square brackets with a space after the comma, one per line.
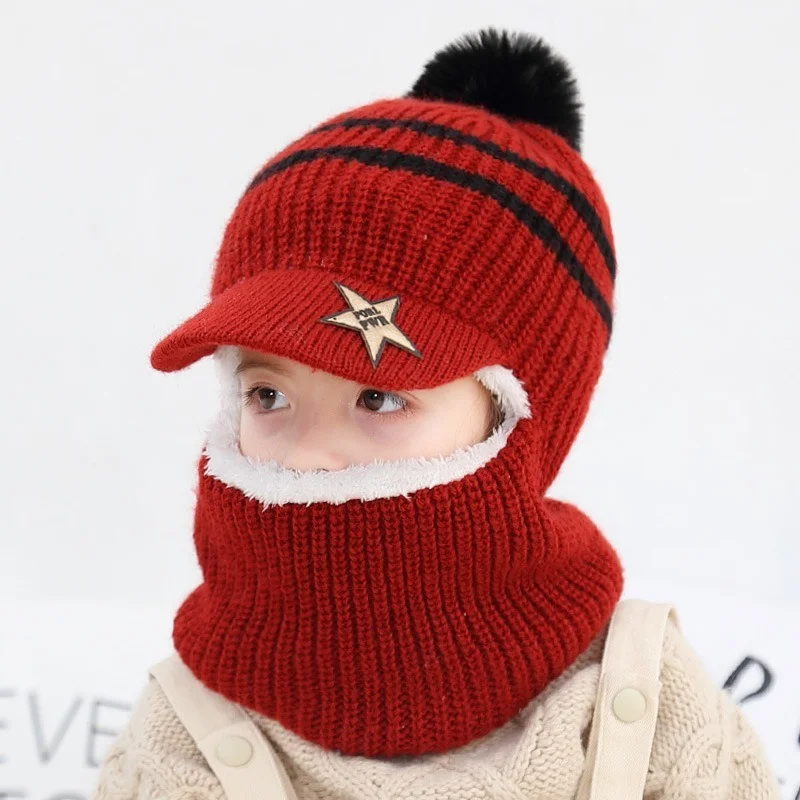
[392, 608]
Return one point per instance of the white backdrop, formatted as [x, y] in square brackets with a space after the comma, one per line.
[128, 131]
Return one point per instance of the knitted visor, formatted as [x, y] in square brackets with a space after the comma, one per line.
[417, 345]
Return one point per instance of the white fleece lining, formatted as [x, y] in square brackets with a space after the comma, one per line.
[273, 484]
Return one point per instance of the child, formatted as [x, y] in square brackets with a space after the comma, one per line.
[409, 313]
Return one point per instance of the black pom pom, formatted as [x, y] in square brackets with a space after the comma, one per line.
[514, 75]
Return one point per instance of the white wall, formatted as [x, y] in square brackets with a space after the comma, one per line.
[128, 131]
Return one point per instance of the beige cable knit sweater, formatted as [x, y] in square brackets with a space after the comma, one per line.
[704, 749]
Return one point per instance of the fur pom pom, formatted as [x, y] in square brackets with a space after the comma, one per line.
[515, 75]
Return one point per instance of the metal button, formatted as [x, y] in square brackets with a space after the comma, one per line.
[629, 705]
[234, 751]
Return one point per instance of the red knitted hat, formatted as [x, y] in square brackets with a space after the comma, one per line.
[410, 606]
[467, 201]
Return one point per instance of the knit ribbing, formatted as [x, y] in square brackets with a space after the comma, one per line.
[401, 625]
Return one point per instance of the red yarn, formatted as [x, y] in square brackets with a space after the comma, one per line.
[401, 625]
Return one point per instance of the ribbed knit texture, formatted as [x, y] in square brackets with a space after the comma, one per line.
[401, 625]
[704, 749]
[493, 234]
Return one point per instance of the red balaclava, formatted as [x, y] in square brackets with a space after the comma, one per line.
[410, 606]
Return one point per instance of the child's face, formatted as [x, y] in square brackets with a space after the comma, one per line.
[308, 419]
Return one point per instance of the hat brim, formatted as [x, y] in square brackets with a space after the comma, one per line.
[281, 311]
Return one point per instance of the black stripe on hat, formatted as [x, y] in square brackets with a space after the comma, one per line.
[579, 202]
[419, 165]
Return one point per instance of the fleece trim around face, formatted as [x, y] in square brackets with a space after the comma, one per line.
[271, 483]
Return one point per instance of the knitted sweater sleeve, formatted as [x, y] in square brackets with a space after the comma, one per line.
[155, 758]
[704, 747]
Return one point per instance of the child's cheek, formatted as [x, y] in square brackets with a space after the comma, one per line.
[259, 430]
[400, 437]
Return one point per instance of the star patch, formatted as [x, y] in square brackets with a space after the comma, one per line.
[373, 320]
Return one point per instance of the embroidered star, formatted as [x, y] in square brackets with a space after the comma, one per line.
[373, 320]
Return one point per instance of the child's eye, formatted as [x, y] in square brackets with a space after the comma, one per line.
[268, 399]
[265, 396]
[373, 401]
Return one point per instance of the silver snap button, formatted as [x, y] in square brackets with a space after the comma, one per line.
[629, 705]
[235, 751]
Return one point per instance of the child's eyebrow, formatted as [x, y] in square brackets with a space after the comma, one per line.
[251, 363]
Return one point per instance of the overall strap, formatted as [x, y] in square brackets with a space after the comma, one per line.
[624, 722]
[236, 750]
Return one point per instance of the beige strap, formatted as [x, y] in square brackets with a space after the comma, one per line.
[624, 722]
[236, 750]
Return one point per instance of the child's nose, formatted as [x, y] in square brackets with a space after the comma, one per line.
[316, 442]
[310, 458]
